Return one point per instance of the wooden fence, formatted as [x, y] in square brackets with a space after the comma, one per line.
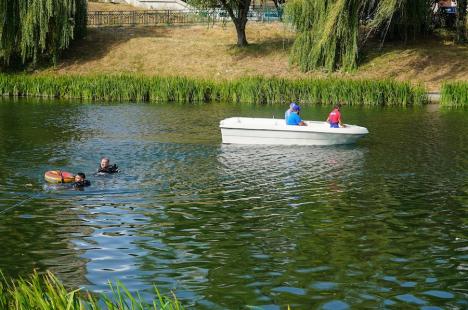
[168, 17]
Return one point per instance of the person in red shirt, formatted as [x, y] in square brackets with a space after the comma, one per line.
[334, 118]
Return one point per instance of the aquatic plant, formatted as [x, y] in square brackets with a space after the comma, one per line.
[454, 94]
[45, 292]
[136, 88]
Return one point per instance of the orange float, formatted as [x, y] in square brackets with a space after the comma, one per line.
[57, 176]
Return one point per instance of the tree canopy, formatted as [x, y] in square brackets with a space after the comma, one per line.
[331, 32]
[32, 29]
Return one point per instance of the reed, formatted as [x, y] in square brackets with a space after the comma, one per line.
[47, 292]
[260, 90]
[454, 94]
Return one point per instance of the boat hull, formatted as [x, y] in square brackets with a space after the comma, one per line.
[275, 132]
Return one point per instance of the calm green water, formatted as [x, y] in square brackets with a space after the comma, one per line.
[379, 224]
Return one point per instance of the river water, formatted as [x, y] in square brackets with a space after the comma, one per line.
[382, 223]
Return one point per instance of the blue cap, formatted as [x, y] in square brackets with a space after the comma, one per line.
[295, 107]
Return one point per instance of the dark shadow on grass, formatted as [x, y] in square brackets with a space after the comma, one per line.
[100, 41]
[97, 43]
[435, 53]
[263, 48]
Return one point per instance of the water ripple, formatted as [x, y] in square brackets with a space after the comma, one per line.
[373, 225]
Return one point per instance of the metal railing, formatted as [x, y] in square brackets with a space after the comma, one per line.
[170, 17]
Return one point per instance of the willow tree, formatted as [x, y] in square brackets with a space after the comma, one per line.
[461, 20]
[32, 29]
[332, 32]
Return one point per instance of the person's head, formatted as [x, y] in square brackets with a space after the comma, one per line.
[80, 177]
[295, 107]
[337, 106]
[104, 162]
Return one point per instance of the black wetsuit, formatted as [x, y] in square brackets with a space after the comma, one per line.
[110, 169]
[81, 184]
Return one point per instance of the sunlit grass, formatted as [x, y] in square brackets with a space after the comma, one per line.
[46, 292]
[259, 90]
[454, 94]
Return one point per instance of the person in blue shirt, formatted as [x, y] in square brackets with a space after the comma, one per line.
[288, 111]
[294, 118]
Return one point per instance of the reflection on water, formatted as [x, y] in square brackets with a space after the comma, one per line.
[378, 224]
[281, 173]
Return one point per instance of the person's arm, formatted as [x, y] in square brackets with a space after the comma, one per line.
[300, 122]
[341, 123]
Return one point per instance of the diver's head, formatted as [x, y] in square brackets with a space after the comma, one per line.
[104, 162]
[80, 177]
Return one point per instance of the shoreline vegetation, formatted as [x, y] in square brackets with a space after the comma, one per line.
[454, 94]
[208, 52]
[257, 90]
[44, 292]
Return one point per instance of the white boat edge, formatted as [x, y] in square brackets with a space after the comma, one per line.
[270, 131]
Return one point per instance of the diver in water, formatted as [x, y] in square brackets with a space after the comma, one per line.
[80, 181]
[105, 167]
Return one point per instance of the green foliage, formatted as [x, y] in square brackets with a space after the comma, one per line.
[331, 32]
[204, 4]
[30, 29]
[401, 19]
[259, 90]
[80, 18]
[46, 292]
[328, 33]
[454, 94]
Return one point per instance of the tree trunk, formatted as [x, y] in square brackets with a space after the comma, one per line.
[461, 20]
[239, 17]
[241, 37]
[279, 9]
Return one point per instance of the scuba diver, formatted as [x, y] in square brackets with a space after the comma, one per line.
[80, 181]
[105, 167]
[57, 180]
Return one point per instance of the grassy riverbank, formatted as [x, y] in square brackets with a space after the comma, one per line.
[139, 88]
[205, 52]
[47, 292]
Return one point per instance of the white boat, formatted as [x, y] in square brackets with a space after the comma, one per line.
[246, 130]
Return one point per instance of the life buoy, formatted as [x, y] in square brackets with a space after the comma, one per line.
[57, 176]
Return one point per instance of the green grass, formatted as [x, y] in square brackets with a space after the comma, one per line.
[136, 88]
[454, 94]
[46, 292]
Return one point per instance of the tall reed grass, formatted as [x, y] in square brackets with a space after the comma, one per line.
[454, 94]
[46, 292]
[259, 90]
